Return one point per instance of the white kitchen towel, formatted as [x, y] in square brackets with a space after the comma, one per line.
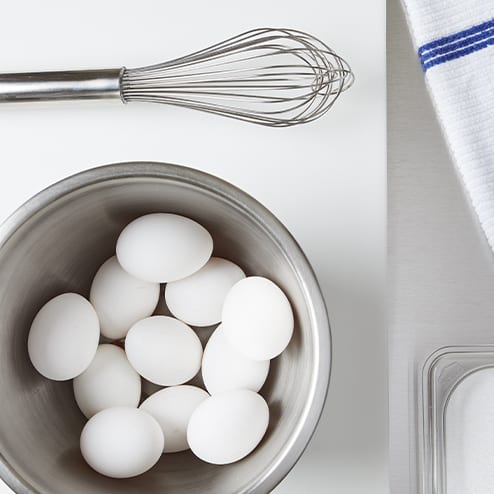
[455, 45]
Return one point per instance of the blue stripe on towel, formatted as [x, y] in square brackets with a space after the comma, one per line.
[457, 45]
[457, 36]
[488, 33]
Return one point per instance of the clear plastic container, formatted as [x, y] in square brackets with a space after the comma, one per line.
[445, 373]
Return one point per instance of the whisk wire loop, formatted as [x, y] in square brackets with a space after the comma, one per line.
[274, 77]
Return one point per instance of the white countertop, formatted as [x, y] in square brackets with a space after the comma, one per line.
[325, 181]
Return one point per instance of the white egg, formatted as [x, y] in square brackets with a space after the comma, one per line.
[224, 368]
[120, 299]
[257, 318]
[164, 350]
[172, 408]
[122, 442]
[109, 381]
[198, 299]
[163, 247]
[64, 337]
[228, 426]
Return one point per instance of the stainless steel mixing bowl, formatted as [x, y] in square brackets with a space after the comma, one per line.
[56, 242]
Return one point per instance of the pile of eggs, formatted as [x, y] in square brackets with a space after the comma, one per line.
[112, 344]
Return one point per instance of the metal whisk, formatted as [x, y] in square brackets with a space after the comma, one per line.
[274, 77]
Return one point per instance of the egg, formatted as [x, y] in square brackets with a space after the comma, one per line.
[198, 299]
[109, 381]
[120, 299]
[163, 247]
[122, 442]
[257, 318]
[228, 426]
[164, 350]
[172, 408]
[224, 368]
[63, 337]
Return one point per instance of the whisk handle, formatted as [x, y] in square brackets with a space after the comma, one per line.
[63, 85]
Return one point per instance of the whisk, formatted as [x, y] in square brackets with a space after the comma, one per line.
[273, 77]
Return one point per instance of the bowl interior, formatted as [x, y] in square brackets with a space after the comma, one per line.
[58, 249]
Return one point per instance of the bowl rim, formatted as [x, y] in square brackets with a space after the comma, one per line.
[294, 447]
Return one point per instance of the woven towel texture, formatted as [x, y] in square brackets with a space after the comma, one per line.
[455, 43]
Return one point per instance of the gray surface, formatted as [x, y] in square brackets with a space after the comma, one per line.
[441, 270]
